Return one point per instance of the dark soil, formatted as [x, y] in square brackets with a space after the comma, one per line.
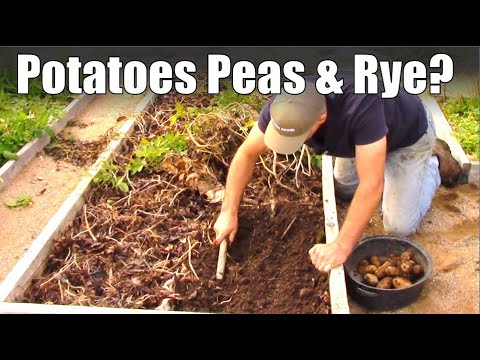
[76, 152]
[265, 273]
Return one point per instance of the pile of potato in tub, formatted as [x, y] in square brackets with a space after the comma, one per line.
[398, 271]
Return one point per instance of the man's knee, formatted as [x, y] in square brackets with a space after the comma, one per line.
[345, 178]
[400, 226]
[343, 191]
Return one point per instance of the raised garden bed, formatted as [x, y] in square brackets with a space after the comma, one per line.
[143, 237]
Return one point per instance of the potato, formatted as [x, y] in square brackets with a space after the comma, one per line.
[417, 270]
[370, 279]
[375, 260]
[363, 262]
[394, 259]
[380, 273]
[401, 283]
[393, 271]
[407, 255]
[369, 269]
[406, 266]
[385, 283]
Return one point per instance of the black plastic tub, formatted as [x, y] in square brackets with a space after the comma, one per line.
[385, 299]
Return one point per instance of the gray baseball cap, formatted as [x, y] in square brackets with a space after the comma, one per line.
[291, 119]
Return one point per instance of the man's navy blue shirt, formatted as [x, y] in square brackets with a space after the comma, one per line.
[360, 119]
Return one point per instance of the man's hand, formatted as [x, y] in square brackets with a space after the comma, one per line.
[370, 161]
[326, 256]
[226, 226]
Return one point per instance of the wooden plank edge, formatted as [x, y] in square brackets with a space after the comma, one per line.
[30, 308]
[444, 131]
[32, 261]
[337, 286]
[473, 175]
[29, 150]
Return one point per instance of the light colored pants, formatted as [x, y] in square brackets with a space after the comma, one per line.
[411, 179]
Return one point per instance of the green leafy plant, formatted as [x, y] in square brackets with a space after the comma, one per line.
[248, 125]
[9, 155]
[151, 153]
[148, 155]
[317, 161]
[25, 117]
[22, 200]
[228, 96]
[180, 113]
[190, 112]
[109, 175]
[463, 115]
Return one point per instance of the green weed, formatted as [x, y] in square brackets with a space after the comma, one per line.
[109, 175]
[25, 117]
[463, 116]
[317, 161]
[228, 96]
[21, 201]
[148, 156]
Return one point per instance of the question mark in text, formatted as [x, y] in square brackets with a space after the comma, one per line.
[444, 62]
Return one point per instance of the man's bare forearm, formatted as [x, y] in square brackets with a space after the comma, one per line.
[239, 175]
[363, 205]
